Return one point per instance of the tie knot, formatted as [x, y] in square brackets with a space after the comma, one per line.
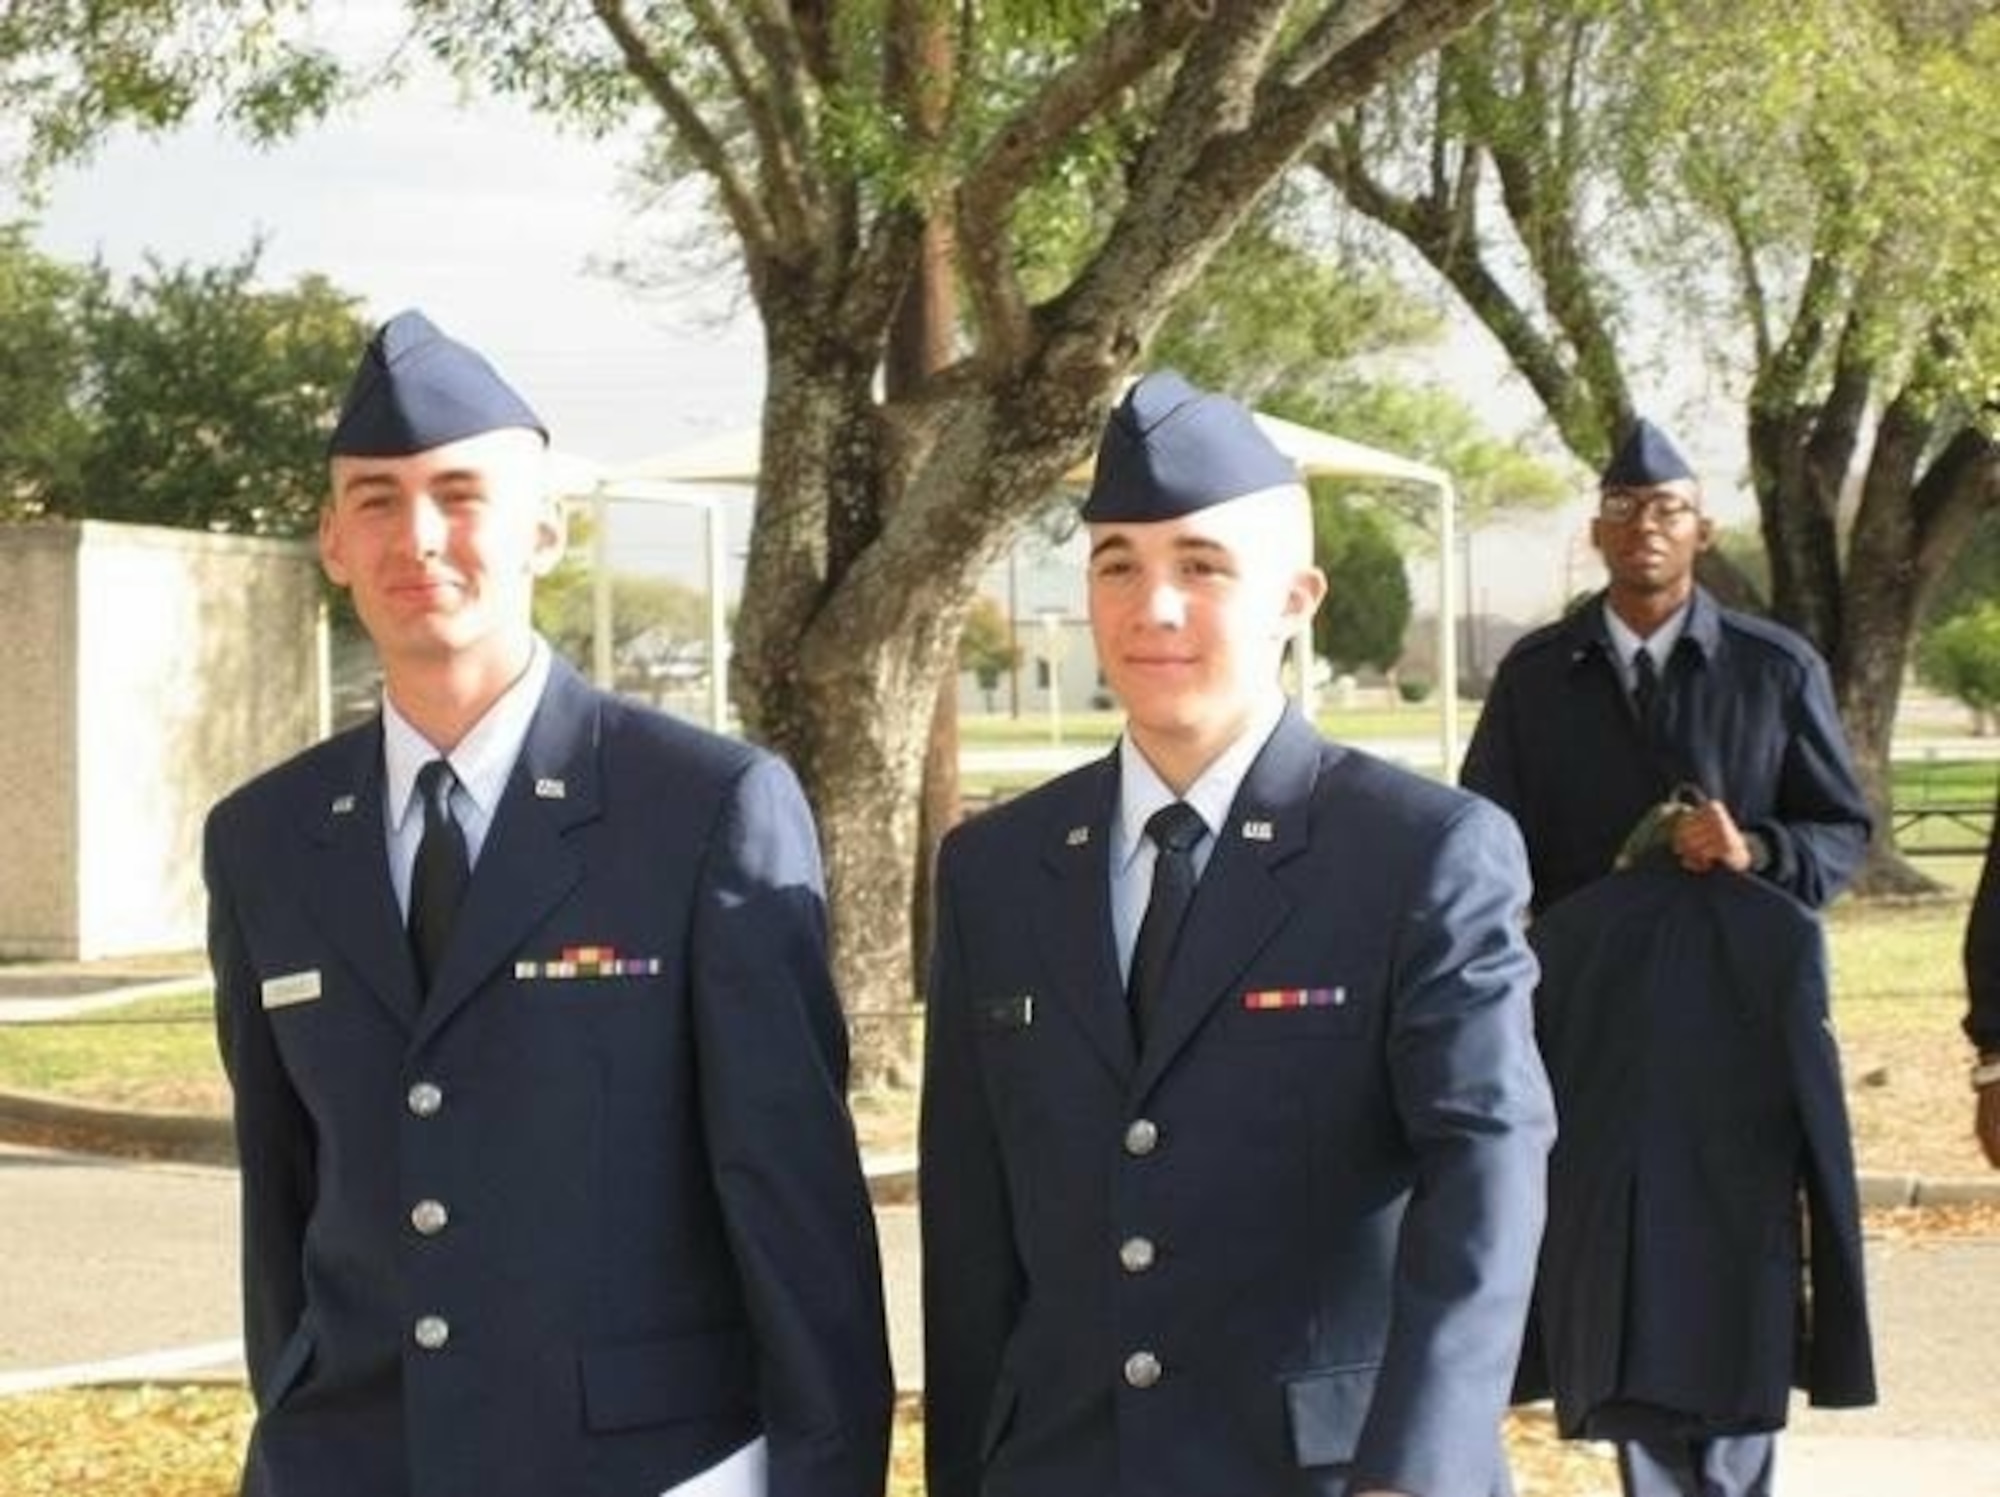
[434, 783]
[1176, 827]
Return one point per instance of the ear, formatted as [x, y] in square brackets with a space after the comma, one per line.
[1303, 595]
[1597, 535]
[1704, 533]
[551, 537]
[331, 559]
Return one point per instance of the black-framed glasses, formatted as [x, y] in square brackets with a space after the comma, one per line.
[1623, 506]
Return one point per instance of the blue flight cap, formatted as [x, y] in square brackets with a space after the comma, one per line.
[417, 389]
[1646, 459]
[1170, 449]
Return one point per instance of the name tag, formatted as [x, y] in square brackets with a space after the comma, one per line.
[293, 987]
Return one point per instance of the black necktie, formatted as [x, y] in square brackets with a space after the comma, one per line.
[437, 880]
[1645, 685]
[1176, 830]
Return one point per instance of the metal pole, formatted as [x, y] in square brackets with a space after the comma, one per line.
[600, 588]
[718, 633]
[1447, 629]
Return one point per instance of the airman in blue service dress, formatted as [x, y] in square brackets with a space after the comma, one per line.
[1700, 748]
[562, 1200]
[1982, 989]
[1271, 1231]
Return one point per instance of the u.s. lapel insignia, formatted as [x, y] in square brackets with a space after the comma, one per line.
[1077, 836]
[1257, 831]
[547, 789]
[343, 805]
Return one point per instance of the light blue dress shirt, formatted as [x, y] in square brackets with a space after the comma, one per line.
[1141, 792]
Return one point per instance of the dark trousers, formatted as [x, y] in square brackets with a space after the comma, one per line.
[1716, 1466]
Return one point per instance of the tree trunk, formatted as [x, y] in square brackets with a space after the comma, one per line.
[1871, 602]
[839, 671]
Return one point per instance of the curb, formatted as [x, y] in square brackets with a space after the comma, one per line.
[193, 1138]
[54, 1122]
[1883, 1190]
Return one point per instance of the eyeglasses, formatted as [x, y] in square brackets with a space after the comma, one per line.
[1622, 507]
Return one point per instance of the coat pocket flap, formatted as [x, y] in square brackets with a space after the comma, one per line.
[1326, 1411]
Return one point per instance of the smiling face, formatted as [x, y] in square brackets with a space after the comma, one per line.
[440, 550]
[1190, 617]
[1649, 538]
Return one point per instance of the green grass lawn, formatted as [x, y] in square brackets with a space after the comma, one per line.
[157, 1052]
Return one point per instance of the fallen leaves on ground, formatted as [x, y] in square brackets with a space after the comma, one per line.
[1918, 1223]
[159, 1441]
[151, 1441]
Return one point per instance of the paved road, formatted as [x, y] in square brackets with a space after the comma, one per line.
[109, 1260]
[114, 1260]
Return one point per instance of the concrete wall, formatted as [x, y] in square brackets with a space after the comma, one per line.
[38, 799]
[178, 664]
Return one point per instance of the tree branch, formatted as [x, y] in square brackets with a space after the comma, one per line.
[1173, 222]
[774, 108]
[1443, 228]
[753, 227]
[1092, 83]
[1538, 201]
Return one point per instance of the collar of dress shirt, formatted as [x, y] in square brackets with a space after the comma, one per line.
[483, 759]
[1625, 641]
[1141, 791]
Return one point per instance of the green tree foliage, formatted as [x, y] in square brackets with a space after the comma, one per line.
[42, 363]
[72, 70]
[1973, 577]
[1961, 657]
[1361, 624]
[1273, 321]
[186, 396]
[656, 611]
[986, 646]
[209, 399]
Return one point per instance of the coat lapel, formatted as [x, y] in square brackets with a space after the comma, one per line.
[1073, 915]
[351, 864]
[1239, 905]
[527, 865]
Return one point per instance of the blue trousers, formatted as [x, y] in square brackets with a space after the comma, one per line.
[1716, 1466]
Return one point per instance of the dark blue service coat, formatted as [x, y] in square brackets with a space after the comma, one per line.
[1745, 714]
[1287, 1249]
[589, 1217]
[1982, 951]
[1703, 1252]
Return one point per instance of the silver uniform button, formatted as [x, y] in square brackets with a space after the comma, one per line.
[1136, 1254]
[1142, 1369]
[429, 1217]
[425, 1098]
[1142, 1136]
[431, 1332]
